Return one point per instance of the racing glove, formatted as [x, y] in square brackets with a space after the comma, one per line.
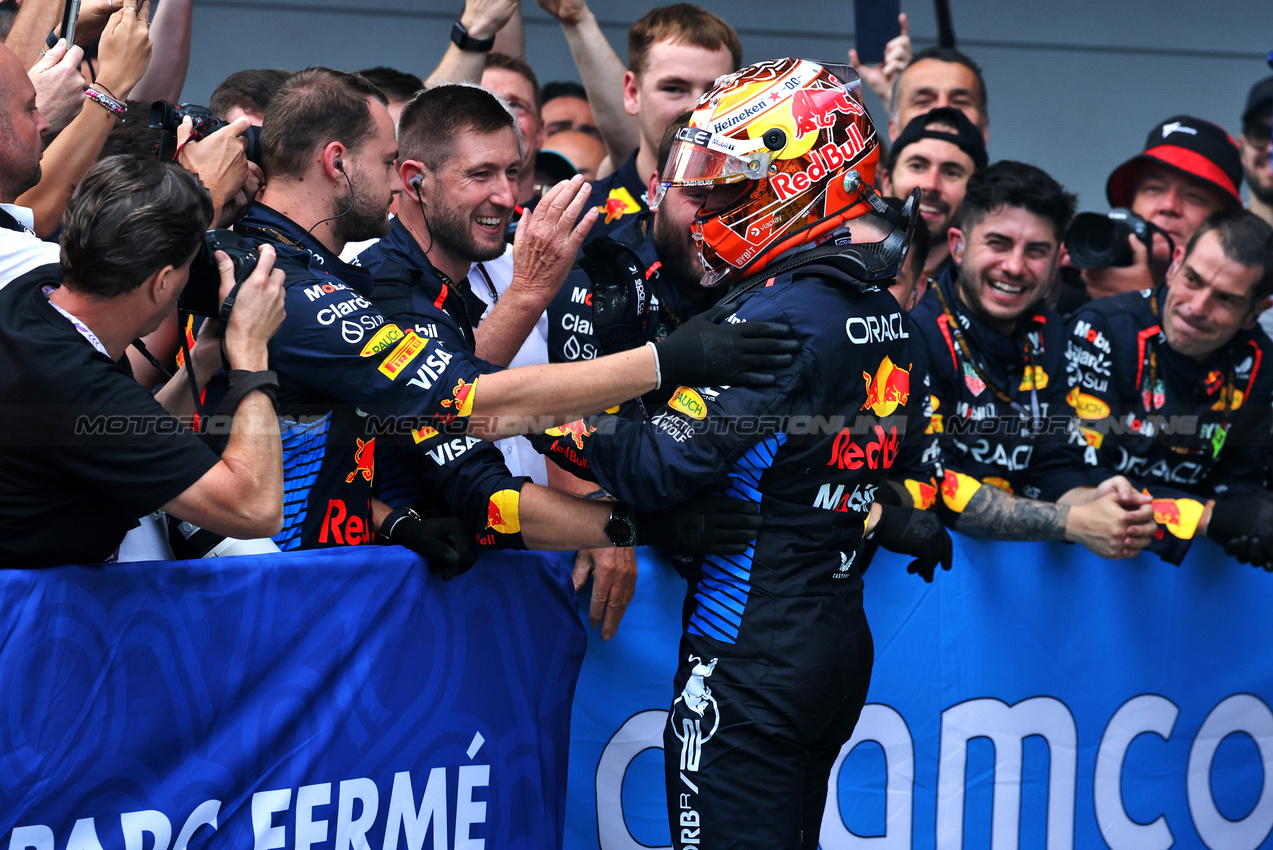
[444, 542]
[620, 295]
[1242, 523]
[916, 533]
[707, 524]
[705, 352]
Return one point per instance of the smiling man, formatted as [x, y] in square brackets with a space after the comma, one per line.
[675, 53]
[1174, 388]
[996, 356]
[937, 153]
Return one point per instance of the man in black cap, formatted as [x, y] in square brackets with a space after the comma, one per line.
[1254, 145]
[936, 153]
[1189, 169]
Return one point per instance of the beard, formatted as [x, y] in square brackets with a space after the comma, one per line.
[361, 217]
[678, 255]
[453, 231]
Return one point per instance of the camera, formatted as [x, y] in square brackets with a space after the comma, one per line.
[167, 118]
[202, 295]
[1096, 241]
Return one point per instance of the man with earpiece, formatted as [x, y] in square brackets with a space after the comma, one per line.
[352, 382]
[996, 356]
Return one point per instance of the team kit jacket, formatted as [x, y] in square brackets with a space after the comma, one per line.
[997, 403]
[348, 380]
[775, 658]
[570, 335]
[416, 296]
[1185, 431]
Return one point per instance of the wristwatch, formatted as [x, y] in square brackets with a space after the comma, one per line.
[621, 527]
[464, 41]
[396, 516]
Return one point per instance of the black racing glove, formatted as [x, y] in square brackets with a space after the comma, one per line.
[705, 352]
[707, 524]
[444, 542]
[1243, 524]
[620, 295]
[917, 533]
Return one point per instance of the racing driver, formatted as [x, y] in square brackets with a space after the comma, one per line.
[776, 655]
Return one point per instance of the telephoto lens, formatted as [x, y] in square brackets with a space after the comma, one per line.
[1096, 240]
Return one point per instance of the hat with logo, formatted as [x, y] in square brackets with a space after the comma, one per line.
[1198, 148]
[1260, 97]
[966, 136]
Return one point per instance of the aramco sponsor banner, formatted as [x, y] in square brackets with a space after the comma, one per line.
[1035, 696]
[329, 699]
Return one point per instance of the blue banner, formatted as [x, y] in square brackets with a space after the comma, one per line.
[333, 699]
[1035, 696]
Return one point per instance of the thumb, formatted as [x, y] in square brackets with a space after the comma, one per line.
[184, 132]
[583, 568]
[51, 57]
[853, 57]
[903, 25]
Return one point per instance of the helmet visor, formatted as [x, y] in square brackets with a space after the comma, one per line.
[698, 158]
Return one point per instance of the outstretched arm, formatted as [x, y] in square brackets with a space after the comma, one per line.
[170, 33]
[601, 72]
[482, 19]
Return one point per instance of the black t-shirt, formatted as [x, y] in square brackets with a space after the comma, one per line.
[84, 449]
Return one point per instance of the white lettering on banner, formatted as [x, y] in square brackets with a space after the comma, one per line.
[882, 725]
[1007, 727]
[301, 818]
[1145, 714]
[640, 732]
[1248, 715]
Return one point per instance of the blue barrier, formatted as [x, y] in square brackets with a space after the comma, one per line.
[329, 699]
[1035, 696]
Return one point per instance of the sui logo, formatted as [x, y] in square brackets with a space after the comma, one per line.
[694, 709]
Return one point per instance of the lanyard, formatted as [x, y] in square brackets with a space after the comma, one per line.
[1032, 416]
[79, 326]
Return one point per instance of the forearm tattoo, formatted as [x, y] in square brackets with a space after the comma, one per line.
[1001, 516]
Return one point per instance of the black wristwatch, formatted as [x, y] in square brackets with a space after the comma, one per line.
[464, 41]
[621, 527]
[396, 516]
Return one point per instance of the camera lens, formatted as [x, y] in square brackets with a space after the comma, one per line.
[1096, 241]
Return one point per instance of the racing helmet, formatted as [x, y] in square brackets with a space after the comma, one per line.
[783, 132]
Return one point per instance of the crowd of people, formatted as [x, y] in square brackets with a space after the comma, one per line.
[686, 304]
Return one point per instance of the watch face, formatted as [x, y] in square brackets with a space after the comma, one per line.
[620, 530]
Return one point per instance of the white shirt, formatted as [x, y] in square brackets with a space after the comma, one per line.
[488, 281]
[21, 251]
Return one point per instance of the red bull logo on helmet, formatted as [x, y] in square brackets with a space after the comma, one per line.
[888, 389]
[815, 110]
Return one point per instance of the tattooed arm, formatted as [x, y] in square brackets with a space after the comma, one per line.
[1103, 525]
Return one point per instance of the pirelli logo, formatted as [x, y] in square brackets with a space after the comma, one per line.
[386, 337]
[407, 350]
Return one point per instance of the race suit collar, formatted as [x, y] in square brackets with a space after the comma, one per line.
[292, 242]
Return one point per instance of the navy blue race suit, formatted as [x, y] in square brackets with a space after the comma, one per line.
[414, 295]
[987, 393]
[1184, 430]
[618, 197]
[776, 654]
[347, 380]
[570, 335]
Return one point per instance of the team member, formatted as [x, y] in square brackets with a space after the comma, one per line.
[776, 656]
[936, 153]
[349, 378]
[658, 246]
[997, 365]
[1173, 387]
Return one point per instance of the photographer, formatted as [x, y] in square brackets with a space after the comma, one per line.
[84, 449]
[1189, 169]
